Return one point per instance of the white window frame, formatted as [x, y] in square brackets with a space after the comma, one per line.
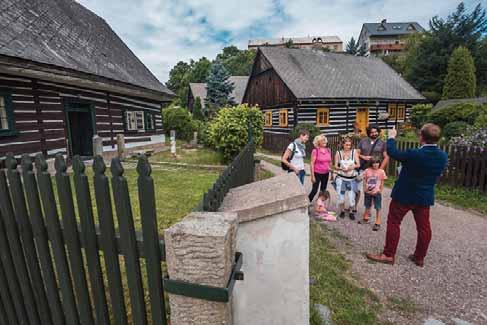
[134, 121]
[4, 125]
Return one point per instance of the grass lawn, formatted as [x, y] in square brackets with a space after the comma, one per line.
[461, 197]
[200, 156]
[335, 287]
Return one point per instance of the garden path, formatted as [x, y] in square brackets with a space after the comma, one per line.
[453, 284]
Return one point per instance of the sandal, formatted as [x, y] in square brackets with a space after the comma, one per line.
[376, 227]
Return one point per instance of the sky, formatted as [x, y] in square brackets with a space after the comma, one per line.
[163, 32]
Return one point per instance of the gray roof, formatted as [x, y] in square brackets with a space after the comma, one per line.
[65, 34]
[239, 85]
[378, 29]
[448, 102]
[295, 40]
[317, 74]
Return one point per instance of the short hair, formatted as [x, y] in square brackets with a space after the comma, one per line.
[347, 139]
[317, 139]
[369, 129]
[431, 133]
[303, 132]
[375, 160]
[325, 194]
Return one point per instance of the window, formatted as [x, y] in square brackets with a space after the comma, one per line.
[150, 122]
[7, 125]
[134, 120]
[283, 118]
[322, 116]
[397, 111]
[268, 119]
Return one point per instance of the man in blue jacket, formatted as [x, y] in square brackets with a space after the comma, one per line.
[413, 191]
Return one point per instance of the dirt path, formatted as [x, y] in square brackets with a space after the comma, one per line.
[453, 284]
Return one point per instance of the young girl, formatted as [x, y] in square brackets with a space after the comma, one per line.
[321, 207]
[373, 185]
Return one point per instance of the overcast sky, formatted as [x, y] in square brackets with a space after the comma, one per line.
[163, 32]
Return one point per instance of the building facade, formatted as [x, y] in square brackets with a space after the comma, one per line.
[330, 43]
[337, 92]
[386, 38]
[65, 77]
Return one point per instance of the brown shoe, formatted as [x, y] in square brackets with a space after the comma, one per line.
[413, 259]
[381, 258]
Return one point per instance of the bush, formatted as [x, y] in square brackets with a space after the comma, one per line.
[460, 82]
[455, 129]
[466, 112]
[178, 119]
[473, 137]
[202, 129]
[198, 110]
[312, 129]
[420, 114]
[228, 131]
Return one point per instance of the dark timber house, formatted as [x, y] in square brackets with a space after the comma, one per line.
[65, 76]
[334, 91]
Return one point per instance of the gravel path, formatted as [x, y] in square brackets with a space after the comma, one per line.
[453, 283]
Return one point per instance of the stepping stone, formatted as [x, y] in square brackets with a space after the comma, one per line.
[325, 314]
[458, 321]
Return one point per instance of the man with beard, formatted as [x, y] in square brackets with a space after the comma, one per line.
[370, 147]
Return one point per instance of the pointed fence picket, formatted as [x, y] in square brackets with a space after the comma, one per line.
[53, 251]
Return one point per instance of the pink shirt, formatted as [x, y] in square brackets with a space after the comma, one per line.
[322, 158]
[373, 179]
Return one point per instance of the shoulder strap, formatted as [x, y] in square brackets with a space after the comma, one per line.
[373, 147]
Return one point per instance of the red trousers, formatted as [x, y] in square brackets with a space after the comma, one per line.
[421, 214]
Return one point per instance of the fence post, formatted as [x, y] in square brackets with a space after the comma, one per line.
[200, 249]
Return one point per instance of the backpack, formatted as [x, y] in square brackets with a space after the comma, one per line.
[283, 165]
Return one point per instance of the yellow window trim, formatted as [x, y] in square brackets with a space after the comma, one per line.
[397, 111]
[283, 118]
[268, 118]
[401, 111]
[326, 120]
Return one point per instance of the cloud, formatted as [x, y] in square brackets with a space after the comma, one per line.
[163, 32]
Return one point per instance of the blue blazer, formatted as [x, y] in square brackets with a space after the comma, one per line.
[421, 170]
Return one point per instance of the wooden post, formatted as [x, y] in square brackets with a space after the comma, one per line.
[173, 142]
[120, 146]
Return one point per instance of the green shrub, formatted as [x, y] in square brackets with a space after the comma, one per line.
[312, 129]
[203, 132]
[178, 119]
[460, 82]
[432, 96]
[198, 110]
[454, 129]
[466, 112]
[420, 114]
[228, 131]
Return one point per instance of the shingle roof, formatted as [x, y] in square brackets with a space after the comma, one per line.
[239, 85]
[314, 73]
[296, 40]
[63, 33]
[377, 29]
[448, 102]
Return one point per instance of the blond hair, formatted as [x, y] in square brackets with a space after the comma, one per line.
[318, 138]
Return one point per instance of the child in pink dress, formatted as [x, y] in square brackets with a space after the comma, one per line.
[321, 207]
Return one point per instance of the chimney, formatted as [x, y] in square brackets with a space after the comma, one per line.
[383, 21]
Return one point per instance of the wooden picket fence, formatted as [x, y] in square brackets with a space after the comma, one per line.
[51, 268]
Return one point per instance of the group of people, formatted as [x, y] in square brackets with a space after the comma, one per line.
[353, 170]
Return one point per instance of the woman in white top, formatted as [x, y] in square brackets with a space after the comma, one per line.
[297, 151]
[346, 162]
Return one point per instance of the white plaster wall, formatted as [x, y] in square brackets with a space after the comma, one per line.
[276, 269]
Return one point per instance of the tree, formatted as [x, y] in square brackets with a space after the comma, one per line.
[362, 50]
[177, 76]
[427, 64]
[218, 88]
[460, 81]
[481, 64]
[352, 46]
[237, 62]
[198, 110]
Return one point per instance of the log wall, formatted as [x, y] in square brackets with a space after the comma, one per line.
[40, 119]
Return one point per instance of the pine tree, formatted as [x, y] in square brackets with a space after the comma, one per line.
[218, 88]
[198, 110]
[352, 46]
[362, 50]
[460, 82]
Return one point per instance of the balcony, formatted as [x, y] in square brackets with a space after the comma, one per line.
[387, 47]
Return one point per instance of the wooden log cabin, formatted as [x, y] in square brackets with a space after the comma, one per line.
[65, 76]
[337, 92]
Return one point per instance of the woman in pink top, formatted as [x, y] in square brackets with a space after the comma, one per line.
[320, 165]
